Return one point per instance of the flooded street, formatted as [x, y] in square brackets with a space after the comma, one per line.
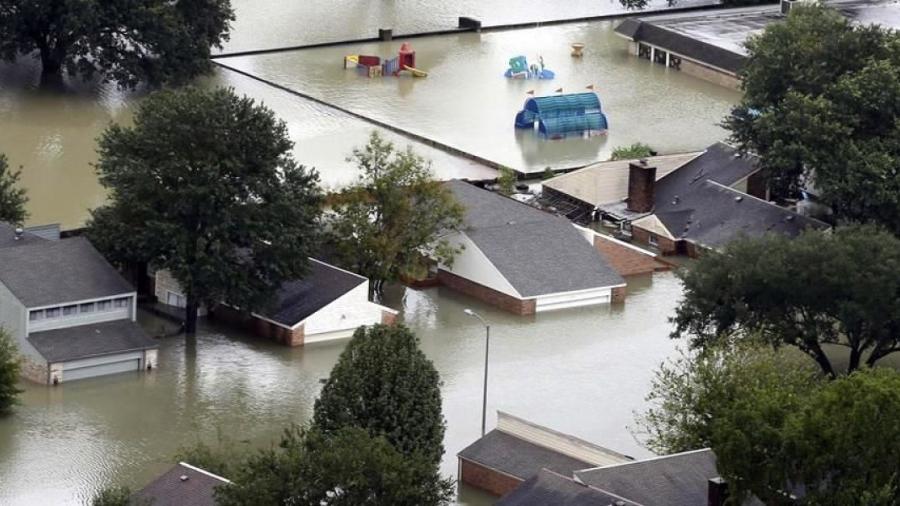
[581, 371]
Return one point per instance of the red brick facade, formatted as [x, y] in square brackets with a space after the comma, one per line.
[757, 186]
[626, 261]
[388, 318]
[664, 245]
[493, 297]
[261, 328]
[481, 477]
[618, 294]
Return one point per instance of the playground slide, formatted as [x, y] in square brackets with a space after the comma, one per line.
[415, 72]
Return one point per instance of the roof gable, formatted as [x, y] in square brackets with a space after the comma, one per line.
[46, 273]
[298, 299]
[720, 163]
[537, 252]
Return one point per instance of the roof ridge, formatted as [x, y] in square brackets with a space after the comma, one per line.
[650, 459]
[204, 471]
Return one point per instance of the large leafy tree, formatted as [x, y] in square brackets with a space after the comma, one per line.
[384, 384]
[12, 198]
[348, 467]
[204, 185]
[820, 108]
[839, 289]
[777, 426]
[394, 218]
[128, 41]
[10, 366]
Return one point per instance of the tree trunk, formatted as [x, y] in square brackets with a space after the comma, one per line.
[190, 316]
[822, 360]
[52, 59]
[855, 356]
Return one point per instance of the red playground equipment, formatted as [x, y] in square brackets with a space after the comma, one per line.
[372, 66]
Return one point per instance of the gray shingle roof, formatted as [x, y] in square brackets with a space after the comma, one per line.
[537, 252]
[296, 300]
[549, 488]
[54, 272]
[171, 490]
[8, 236]
[83, 341]
[681, 478]
[511, 455]
[719, 162]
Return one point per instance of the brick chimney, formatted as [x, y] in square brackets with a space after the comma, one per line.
[717, 492]
[641, 186]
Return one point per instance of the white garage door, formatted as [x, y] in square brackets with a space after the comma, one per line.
[72, 370]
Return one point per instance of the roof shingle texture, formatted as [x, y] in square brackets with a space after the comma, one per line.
[83, 341]
[8, 236]
[170, 490]
[517, 457]
[47, 273]
[548, 488]
[323, 284]
[681, 478]
[537, 252]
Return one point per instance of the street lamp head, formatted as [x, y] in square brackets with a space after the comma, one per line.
[469, 312]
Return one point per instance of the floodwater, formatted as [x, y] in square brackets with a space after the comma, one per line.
[300, 23]
[465, 101]
[581, 371]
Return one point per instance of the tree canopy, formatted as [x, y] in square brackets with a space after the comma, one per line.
[839, 289]
[127, 41]
[820, 108]
[778, 426]
[348, 467]
[12, 198]
[10, 366]
[383, 383]
[632, 152]
[393, 219]
[204, 186]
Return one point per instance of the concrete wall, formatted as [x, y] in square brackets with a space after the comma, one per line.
[343, 316]
[489, 480]
[474, 265]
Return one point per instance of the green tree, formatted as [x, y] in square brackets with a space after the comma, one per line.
[12, 198]
[10, 367]
[821, 102]
[383, 383]
[633, 152]
[204, 186]
[127, 41]
[393, 219]
[506, 181]
[346, 468]
[113, 496]
[839, 289]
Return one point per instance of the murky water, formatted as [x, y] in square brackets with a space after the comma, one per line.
[581, 371]
[299, 23]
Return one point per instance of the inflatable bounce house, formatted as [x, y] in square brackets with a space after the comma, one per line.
[561, 115]
[519, 69]
[372, 66]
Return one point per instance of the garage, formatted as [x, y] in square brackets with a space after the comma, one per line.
[101, 366]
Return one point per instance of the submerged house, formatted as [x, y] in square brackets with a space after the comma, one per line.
[530, 465]
[329, 303]
[680, 204]
[560, 115]
[525, 260]
[182, 485]
[71, 314]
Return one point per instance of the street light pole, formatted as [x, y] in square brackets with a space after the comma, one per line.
[487, 350]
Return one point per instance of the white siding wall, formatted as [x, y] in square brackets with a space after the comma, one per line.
[573, 299]
[14, 318]
[340, 318]
[473, 264]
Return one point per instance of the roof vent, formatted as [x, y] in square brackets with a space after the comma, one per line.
[511, 222]
[183, 477]
[676, 200]
[790, 218]
[19, 232]
[738, 198]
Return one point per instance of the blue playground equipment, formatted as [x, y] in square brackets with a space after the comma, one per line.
[560, 115]
[519, 69]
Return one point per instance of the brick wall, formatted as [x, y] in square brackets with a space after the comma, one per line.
[757, 186]
[480, 477]
[259, 327]
[485, 294]
[626, 261]
[34, 371]
[618, 294]
[663, 245]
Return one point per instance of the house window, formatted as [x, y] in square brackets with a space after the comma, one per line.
[652, 240]
[69, 310]
[52, 312]
[175, 299]
[122, 303]
[87, 308]
[104, 305]
[36, 315]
